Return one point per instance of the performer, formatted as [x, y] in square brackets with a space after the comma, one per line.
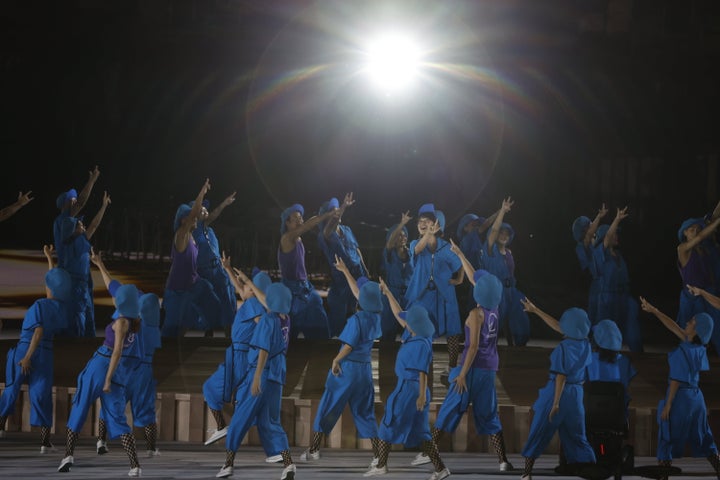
[71, 204]
[337, 240]
[22, 200]
[140, 390]
[76, 260]
[31, 360]
[189, 300]
[614, 300]
[583, 232]
[500, 262]
[559, 407]
[259, 395]
[105, 377]
[307, 312]
[398, 269]
[350, 380]
[209, 265]
[682, 414]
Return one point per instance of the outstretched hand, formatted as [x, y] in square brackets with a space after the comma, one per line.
[528, 306]
[647, 306]
[622, 213]
[405, 218]
[96, 257]
[24, 198]
[507, 205]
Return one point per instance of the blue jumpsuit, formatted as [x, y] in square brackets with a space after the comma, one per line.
[480, 381]
[430, 286]
[585, 258]
[569, 358]
[402, 422]
[614, 300]
[397, 278]
[621, 371]
[76, 261]
[51, 315]
[698, 272]
[341, 301]
[688, 415]
[272, 335]
[210, 268]
[354, 386]
[510, 309]
[92, 379]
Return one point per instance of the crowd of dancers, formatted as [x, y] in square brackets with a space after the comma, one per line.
[414, 299]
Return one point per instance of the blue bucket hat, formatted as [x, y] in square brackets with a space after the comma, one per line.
[150, 310]
[687, 224]
[331, 204]
[488, 290]
[418, 320]
[440, 216]
[370, 297]
[59, 283]
[600, 234]
[67, 227]
[127, 303]
[575, 323]
[182, 212]
[64, 197]
[262, 280]
[579, 227]
[286, 214]
[278, 298]
[426, 209]
[392, 229]
[704, 327]
[511, 232]
[464, 221]
[362, 280]
[607, 335]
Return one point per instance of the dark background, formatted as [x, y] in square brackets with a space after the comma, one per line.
[562, 104]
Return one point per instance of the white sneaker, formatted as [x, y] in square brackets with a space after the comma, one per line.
[308, 456]
[420, 459]
[153, 453]
[288, 472]
[101, 447]
[374, 462]
[224, 472]
[506, 467]
[375, 471]
[526, 477]
[273, 459]
[135, 472]
[216, 435]
[66, 463]
[444, 473]
[45, 450]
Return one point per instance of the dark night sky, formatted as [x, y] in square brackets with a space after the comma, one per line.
[262, 98]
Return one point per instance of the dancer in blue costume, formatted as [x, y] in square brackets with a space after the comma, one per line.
[350, 379]
[436, 272]
[608, 364]
[76, 261]
[406, 410]
[209, 265]
[31, 360]
[583, 231]
[260, 393]
[105, 377]
[695, 263]
[189, 300]
[307, 312]
[398, 269]
[22, 200]
[682, 414]
[140, 390]
[559, 407]
[614, 300]
[71, 204]
[499, 261]
[470, 236]
[338, 240]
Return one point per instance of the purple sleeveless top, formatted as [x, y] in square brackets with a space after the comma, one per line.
[697, 271]
[110, 337]
[486, 357]
[183, 269]
[292, 264]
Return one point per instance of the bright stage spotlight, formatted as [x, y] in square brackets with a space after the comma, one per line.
[392, 61]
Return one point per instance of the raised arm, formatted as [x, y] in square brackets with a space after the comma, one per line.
[84, 194]
[550, 321]
[685, 247]
[258, 293]
[96, 258]
[48, 250]
[621, 214]
[488, 222]
[288, 239]
[428, 239]
[394, 305]
[667, 321]
[716, 212]
[335, 218]
[709, 297]
[218, 210]
[466, 265]
[497, 224]
[590, 233]
[92, 228]
[227, 265]
[182, 235]
[10, 210]
[404, 219]
[340, 265]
